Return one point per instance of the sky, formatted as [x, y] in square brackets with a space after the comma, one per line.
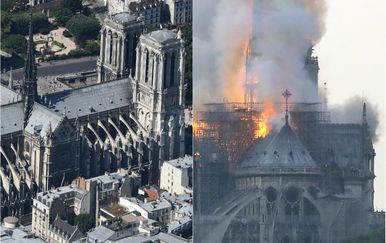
[352, 63]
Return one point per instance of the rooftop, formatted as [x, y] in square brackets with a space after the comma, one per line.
[150, 206]
[12, 118]
[92, 99]
[8, 95]
[185, 162]
[123, 18]
[284, 150]
[41, 119]
[161, 36]
[60, 192]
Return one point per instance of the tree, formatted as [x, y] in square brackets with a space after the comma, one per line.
[92, 47]
[83, 28]
[85, 222]
[73, 5]
[5, 23]
[20, 22]
[15, 44]
[13, 5]
[62, 15]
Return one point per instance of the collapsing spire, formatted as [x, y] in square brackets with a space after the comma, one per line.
[286, 95]
[29, 87]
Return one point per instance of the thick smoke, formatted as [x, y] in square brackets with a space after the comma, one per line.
[283, 31]
[220, 29]
[351, 112]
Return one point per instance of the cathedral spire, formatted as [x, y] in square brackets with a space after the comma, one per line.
[29, 87]
[286, 95]
[364, 113]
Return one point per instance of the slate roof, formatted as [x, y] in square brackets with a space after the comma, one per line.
[12, 118]
[161, 36]
[123, 18]
[40, 120]
[284, 150]
[146, 4]
[7, 95]
[63, 226]
[101, 233]
[89, 100]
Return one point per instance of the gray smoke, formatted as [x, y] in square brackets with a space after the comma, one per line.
[283, 31]
[351, 112]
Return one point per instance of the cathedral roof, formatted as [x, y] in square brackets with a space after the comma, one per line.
[123, 18]
[284, 150]
[91, 99]
[8, 95]
[12, 117]
[161, 36]
[40, 120]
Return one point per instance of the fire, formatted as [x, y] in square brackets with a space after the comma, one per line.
[262, 125]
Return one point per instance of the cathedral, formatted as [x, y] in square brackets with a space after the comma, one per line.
[132, 118]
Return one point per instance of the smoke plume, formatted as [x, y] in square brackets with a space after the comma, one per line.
[281, 33]
[351, 112]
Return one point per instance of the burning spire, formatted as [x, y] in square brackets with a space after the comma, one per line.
[286, 95]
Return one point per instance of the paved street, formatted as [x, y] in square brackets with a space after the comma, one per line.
[61, 67]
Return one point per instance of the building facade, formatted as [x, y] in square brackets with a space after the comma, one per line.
[119, 38]
[181, 11]
[129, 122]
[176, 175]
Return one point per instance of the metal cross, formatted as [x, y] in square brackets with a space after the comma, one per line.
[286, 95]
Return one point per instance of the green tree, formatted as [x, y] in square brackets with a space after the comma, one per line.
[62, 15]
[85, 222]
[83, 28]
[73, 5]
[5, 23]
[92, 47]
[13, 5]
[15, 44]
[20, 22]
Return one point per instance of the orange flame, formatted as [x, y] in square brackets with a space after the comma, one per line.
[263, 127]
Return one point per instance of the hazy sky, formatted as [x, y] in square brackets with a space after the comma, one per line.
[352, 62]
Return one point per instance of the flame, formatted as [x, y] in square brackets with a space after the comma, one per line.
[262, 125]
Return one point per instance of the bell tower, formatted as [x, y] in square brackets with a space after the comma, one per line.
[158, 88]
[119, 38]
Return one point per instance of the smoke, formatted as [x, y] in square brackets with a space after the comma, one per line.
[219, 34]
[351, 112]
[283, 31]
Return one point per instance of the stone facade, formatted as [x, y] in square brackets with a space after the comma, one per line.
[119, 38]
[135, 122]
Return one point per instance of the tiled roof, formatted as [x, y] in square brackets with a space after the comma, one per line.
[92, 99]
[12, 118]
[285, 149]
[40, 120]
[161, 36]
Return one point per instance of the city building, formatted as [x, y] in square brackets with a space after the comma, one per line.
[160, 210]
[60, 203]
[181, 11]
[61, 231]
[176, 175]
[150, 10]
